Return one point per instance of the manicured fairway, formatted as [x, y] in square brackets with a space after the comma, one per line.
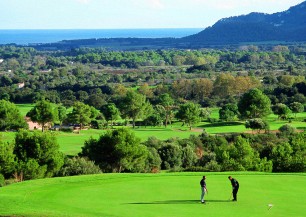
[156, 195]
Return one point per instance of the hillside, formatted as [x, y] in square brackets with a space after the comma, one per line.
[289, 26]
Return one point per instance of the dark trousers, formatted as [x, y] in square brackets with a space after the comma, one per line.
[235, 191]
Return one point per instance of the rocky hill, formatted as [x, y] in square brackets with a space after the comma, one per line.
[289, 26]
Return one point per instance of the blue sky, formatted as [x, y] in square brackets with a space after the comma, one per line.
[124, 14]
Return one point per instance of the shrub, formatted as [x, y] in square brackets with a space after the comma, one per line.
[153, 161]
[98, 124]
[213, 166]
[287, 129]
[212, 120]
[78, 166]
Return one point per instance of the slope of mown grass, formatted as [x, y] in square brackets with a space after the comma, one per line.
[25, 108]
[156, 195]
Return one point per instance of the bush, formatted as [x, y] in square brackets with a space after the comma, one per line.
[213, 166]
[153, 161]
[78, 166]
[67, 130]
[257, 124]
[98, 124]
[287, 129]
[212, 120]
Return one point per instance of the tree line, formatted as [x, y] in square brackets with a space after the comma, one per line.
[36, 154]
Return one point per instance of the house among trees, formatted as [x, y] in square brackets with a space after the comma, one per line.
[20, 85]
[32, 125]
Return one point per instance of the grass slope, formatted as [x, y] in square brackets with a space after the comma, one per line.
[156, 195]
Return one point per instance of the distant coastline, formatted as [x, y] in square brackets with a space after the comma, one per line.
[31, 36]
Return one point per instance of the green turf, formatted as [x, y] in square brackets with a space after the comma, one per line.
[71, 143]
[25, 108]
[156, 195]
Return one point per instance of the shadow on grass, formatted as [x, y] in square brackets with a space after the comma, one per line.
[179, 202]
[150, 129]
[301, 128]
[222, 124]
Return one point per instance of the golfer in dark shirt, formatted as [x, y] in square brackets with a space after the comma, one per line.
[235, 185]
[203, 188]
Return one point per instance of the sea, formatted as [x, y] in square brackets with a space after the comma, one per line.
[31, 36]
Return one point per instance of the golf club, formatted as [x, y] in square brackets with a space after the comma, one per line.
[230, 196]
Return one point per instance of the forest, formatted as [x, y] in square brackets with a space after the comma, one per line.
[119, 90]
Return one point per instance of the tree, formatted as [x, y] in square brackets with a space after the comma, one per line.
[282, 157]
[82, 114]
[245, 83]
[257, 124]
[7, 159]
[43, 113]
[153, 161]
[110, 112]
[189, 113]
[224, 85]
[153, 120]
[281, 110]
[202, 88]
[134, 105]
[37, 154]
[6, 81]
[116, 151]
[171, 156]
[254, 104]
[189, 157]
[10, 117]
[244, 154]
[62, 114]
[146, 90]
[228, 112]
[296, 107]
[166, 101]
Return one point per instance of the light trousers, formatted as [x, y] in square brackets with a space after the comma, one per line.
[202, 194]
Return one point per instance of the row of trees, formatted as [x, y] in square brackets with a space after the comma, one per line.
[253, 105]
[245, 55]
[207, 93]
[36, 154]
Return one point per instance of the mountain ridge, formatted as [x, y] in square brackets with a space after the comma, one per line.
[289, 25]
[286, 27]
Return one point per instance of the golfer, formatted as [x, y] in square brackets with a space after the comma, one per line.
[235, 185]
[203, 189]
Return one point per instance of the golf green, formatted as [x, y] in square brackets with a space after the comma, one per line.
[157, 195]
